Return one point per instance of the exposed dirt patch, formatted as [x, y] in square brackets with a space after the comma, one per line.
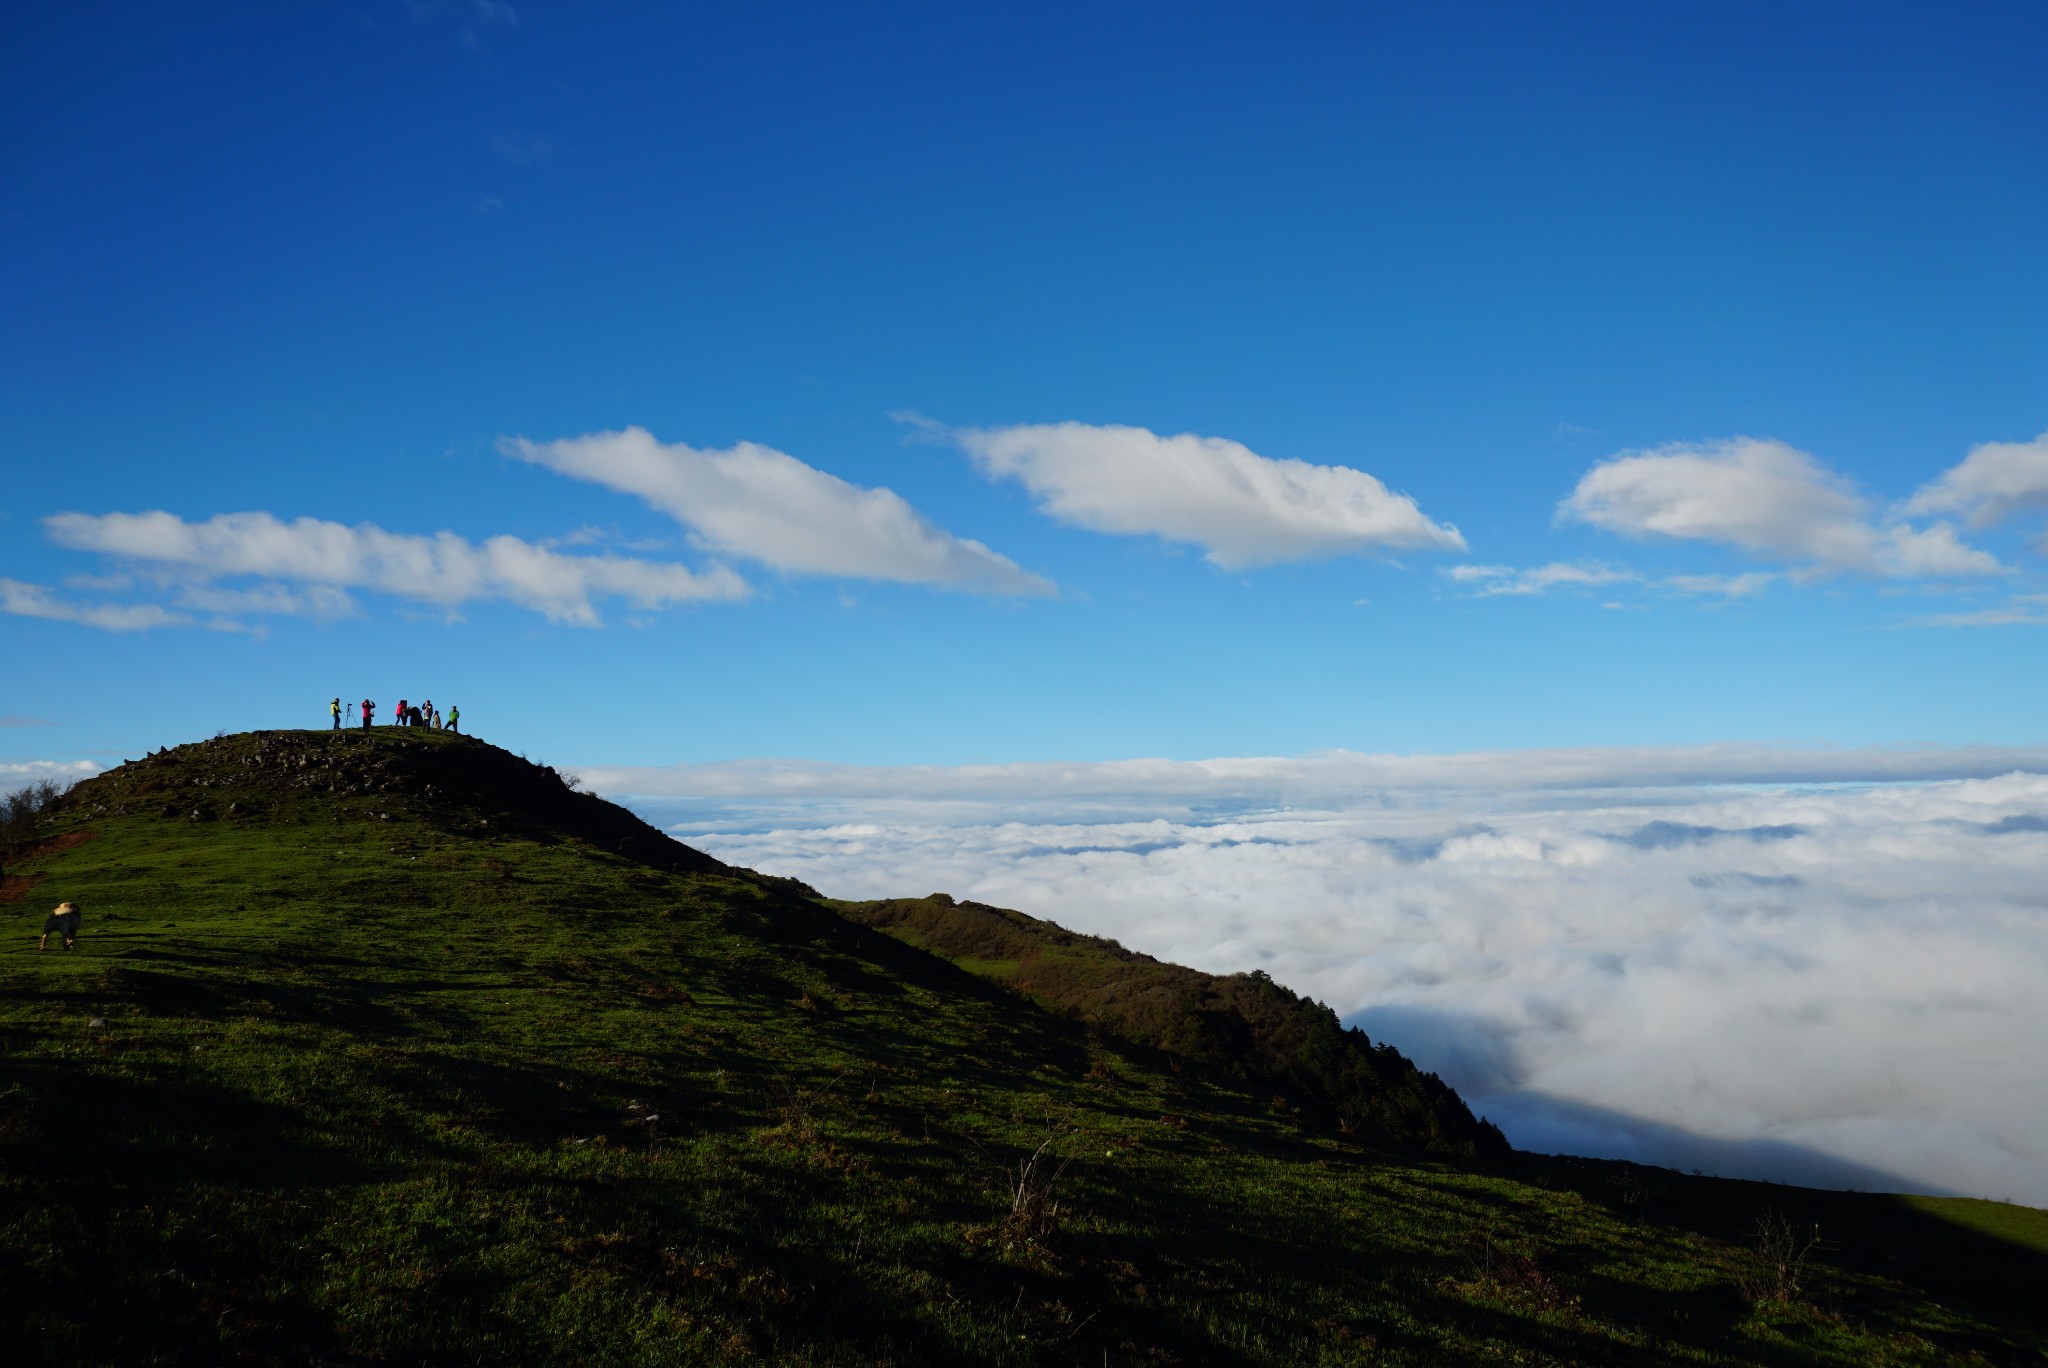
[15, 887]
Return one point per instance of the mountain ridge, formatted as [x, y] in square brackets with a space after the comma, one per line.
[411, 1054]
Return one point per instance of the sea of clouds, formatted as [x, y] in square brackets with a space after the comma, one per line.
[1690, 958]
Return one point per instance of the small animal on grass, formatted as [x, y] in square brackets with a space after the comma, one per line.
[63, 922]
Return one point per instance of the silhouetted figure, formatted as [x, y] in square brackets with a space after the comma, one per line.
[63, 922]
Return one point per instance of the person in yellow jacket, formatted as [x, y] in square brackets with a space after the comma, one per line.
[334, 709]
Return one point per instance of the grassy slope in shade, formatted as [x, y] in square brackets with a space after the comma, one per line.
[1242, 1025]
[402, 1053]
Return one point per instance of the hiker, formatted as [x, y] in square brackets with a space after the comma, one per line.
[427, 713]
[454, 719]
[335, 708]
[400, 718]
[64, 921]
[368, 709]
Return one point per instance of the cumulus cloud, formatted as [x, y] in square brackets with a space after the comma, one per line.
[1493, 580]
[1832, 984]
[442, 569]
[1768, 499]
[1993, 482]
[754, 501]
[23, 599]
[1241, 508]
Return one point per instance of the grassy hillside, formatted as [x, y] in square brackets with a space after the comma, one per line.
[1244, 1026]
[392, 1049]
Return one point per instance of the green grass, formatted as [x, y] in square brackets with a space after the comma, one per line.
[323, 1086]
[2025, 1227]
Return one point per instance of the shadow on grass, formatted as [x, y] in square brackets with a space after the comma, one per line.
[1875, 1233]
[105, 1131]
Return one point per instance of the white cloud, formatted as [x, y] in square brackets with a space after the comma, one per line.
[1993, 482]
[2029, 610]
[1728, 586]
[267, 600]
[1493, 580]
[1768, 499]
[1933, 552]
[753, 501]
[1242, 508]
[1821, 984]
[443, 569]
[35, 600]
[64, 773]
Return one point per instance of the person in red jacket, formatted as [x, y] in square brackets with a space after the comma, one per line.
[400, 718]
[368, 709]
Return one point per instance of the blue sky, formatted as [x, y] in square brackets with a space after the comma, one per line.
[1511, 277]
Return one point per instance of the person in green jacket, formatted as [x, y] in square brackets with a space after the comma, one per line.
[454, 718]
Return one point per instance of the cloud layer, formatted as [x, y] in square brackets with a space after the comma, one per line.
[1768, 499]
[767, 792]
[442, 569]
[1822, 984]
[1241, 508]
[753, 501]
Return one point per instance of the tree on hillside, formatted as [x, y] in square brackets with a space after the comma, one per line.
[24, 811]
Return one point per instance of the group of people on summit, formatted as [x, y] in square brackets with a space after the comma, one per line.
[63, 923]
[404, 715]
